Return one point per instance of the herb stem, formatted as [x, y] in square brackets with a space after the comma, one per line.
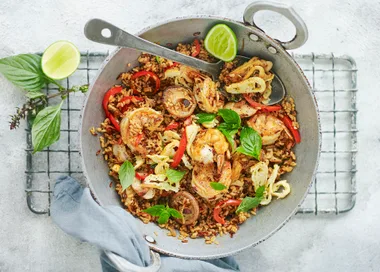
[32, 104]
[57, 84]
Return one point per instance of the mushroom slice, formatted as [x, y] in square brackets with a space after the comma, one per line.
[185, 203]
[179, 101]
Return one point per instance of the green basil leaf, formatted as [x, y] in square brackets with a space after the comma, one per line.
[229, 134]
[24, 71]
[250, 142]
[46, 127]
[174, 213]
[205, 117]
[34, 94]
[126, 174]
[228, 127]
[155, 210]
[174, 175]
[217, 186]
[249, 203]
[230, 117]
[33, 114]
[164, 217]
[260, 191]
[158, 59]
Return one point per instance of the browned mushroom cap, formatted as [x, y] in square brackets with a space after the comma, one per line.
[186, 204]
[179, 101]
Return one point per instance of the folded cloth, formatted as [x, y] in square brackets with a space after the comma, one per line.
[113, 229]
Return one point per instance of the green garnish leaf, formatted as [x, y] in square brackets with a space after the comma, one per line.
[174, 175]
[231, 125]
[155, 210]
[174, 213]
[24, 71]
[34, 94]
[158, 59]
[46, 127]
[217, 186]
[249, 203]
[163, 213]
[205, 117]
[230, 117]
[229, 133]
[126, 174]
[164, 217]
[250, 142]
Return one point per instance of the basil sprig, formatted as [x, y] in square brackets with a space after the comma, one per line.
[163, 213]
[250, 140]
[25, 71]
[248, 203]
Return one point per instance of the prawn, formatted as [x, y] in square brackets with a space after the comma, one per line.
[268, 126]
[207, 143]
[140, 125]
[210, 165]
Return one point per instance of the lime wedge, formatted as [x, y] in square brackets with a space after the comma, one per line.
[60, 60]
[221, 42]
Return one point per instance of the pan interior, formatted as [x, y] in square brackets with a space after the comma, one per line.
[270, 218]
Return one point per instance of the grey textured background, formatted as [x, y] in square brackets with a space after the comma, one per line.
[348, 242]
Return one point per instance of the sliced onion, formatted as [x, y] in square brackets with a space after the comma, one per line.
[120, 152]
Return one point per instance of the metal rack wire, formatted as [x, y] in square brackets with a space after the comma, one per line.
[333, 80]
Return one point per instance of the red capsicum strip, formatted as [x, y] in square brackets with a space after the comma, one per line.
[172, 126]
[197, 48]
[109, 93]
[175, 64]
[259, 106]
[150, 74]
[180, 151]
[138, 139]
[289, 124]
[140, 176]
[188, 121]
[218, 208]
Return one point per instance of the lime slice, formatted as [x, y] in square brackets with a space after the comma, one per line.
[221, 42]
[60, 60]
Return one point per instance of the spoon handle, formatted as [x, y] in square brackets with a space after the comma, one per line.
[95, 30]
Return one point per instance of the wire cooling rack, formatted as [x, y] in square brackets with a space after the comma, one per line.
[333, 80]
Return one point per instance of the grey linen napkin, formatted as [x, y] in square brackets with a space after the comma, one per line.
[111, 228]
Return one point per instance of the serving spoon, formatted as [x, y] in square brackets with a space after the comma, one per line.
[101, 31]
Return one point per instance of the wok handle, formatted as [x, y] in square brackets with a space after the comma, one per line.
[301, 29]
[123, 265]
[101, 31]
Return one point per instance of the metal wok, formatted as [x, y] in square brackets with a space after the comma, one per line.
[252, 42]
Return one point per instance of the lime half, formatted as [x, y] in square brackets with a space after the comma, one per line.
[221, 42]
[60, 60]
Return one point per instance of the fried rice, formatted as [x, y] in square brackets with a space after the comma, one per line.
[142, 94]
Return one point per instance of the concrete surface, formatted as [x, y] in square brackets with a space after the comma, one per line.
[348, 242]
